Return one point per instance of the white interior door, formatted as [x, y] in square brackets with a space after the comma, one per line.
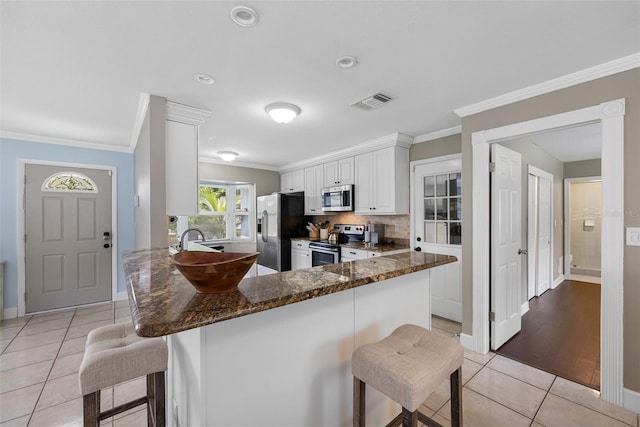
[68, 237]
[505, 244]
[532, 223]
[544, 236]
[437, 212]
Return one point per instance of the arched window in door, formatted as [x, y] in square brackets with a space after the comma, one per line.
[69, 181]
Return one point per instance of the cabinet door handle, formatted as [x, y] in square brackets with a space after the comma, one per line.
[352, 253]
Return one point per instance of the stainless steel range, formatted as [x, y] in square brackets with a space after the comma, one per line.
[323, 252]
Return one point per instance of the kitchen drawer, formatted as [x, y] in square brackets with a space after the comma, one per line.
[300, 244]
[350, 254]
[373, 254]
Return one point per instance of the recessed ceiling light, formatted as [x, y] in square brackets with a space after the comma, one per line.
[244, 16]
[346, 62]
[205, 79]
[227, 156]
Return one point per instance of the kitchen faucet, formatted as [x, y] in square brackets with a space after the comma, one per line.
[184, 243]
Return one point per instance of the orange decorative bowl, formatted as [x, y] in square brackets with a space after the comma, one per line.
[214, 272]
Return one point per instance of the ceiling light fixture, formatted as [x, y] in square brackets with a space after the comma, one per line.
[282, 112]
[227, 156]
[244, 16]
[205, 79]
[346, 62]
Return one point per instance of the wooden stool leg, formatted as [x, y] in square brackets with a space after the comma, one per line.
[456, 398]
[159, 399]
[358, 402]
[156, 400]
[409, 419]
[91, 409]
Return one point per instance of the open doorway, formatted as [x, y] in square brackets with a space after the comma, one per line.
[611, 116]
[560, 331]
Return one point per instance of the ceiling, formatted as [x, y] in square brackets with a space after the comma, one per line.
[76, 70]
[571, 144]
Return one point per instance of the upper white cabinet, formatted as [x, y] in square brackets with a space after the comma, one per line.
[181, 161]
[382, 181]
[339, 172]
[292, 181]
[313, 190]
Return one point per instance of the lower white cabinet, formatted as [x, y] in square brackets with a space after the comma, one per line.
[350, 254]
[300, 254]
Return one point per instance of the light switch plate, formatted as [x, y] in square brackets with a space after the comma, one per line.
[633, 236]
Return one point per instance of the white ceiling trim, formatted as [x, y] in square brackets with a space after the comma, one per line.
[63, 141]
[603, 70]
[397, 138]
[437, 134]
[237, 164]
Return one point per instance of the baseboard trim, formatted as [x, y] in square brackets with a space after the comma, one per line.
[631, 400]
[557, 282]
[524, 308]
[122, 296]
[10, 313]
[466, 341]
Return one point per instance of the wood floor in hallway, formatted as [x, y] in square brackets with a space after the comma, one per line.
[561, 333]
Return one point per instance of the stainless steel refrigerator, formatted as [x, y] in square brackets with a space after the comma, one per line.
[280, 217]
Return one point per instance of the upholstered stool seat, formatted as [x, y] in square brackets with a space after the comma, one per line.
[115, 354]
[407, 366]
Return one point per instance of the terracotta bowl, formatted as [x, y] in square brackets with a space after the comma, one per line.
[214, 272]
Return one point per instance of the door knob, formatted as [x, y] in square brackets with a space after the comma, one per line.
[418, 249]
[107, 246]
[522, 252]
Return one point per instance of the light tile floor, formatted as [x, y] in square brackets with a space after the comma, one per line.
[40, 357]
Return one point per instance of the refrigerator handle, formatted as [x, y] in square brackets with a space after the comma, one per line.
[265, 226]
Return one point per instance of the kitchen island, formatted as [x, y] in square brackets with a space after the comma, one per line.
[276, 351]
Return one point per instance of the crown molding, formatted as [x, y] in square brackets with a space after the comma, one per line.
[63, 141]
[143, 107]
[204, 159]
[437, 134]
[392, 140]
[186, 114]
[603, 70]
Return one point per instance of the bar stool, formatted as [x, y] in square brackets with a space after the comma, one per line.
[407, 366]
[115, 354]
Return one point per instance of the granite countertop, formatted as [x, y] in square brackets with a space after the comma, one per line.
[384, 247]
[163, 302]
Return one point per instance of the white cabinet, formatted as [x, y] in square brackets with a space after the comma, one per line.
[181, 168]
[292, 181]
[382, 181]
[350, 254]
[300, 254]
[339, 172]
[313, 190]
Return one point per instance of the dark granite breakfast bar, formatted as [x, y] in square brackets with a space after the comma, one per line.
[276, 350]
[163, 302]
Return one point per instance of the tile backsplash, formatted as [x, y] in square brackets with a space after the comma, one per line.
[395, 226]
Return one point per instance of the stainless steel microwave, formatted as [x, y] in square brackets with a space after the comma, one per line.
[337, 199]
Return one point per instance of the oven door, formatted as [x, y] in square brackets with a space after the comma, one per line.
[323, 257]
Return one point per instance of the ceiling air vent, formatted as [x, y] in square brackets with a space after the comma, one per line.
[372, 101]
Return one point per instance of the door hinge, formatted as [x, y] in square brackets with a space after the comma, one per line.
[25, 238]
[492, 166]
[492, 316]
[25, 296]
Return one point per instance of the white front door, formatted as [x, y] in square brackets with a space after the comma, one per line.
[437, 215]
[505, 244]
[67, 237]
